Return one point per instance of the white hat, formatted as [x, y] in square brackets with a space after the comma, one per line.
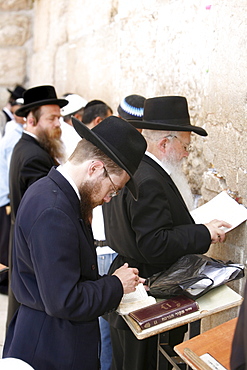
[76, 102]
[10, 363]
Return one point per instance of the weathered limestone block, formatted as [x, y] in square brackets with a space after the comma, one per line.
[218, 318]
[12, 66]
[14, 29]
[44, 75]
[15, 4]
[213, 184]
[51, 22]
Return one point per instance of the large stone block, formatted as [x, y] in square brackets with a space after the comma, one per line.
[14, 29]
[12, 66]
[8, 5]
[42, 72]
[51, 22]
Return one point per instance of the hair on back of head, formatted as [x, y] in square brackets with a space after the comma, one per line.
[85, 150]
[96, 110]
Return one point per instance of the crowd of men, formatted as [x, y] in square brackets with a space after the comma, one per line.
[93, 204]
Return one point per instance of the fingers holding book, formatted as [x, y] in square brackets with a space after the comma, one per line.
[215, 228]
[129, 277]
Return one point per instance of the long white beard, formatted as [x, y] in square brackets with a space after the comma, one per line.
[181, 182]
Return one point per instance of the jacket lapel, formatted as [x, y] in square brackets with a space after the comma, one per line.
[67, 189]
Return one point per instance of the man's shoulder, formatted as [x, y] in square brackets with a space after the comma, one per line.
[28, 146]
[52, 192]
[149, 169]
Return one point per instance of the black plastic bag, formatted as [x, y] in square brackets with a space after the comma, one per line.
[193, 275]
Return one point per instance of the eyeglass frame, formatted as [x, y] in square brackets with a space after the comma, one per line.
[116, 191]
[187, 147]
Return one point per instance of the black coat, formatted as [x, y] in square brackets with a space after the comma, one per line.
[29, 162]
[154, 231]
[55, 278]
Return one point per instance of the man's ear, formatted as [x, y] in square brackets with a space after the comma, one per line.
[31, 120]
[96, 121]
[78, 116]
[162, 144]
[95, 168]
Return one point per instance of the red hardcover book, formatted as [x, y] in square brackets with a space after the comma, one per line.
[163, 311]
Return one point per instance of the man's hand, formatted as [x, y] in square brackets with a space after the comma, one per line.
[217, 234]
[128, 277]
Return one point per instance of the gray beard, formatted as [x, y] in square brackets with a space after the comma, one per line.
[180, 180]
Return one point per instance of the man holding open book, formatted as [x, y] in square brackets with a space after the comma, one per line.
[154, 232]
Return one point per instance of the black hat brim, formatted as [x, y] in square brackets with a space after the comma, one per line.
[149, 125]
[25, 109]
[100, 143]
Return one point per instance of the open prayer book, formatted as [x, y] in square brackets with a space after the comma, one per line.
[135, 300]
[222, 207]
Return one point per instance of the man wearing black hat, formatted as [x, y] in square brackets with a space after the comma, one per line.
[155, 231]
[55, 274]
[7, 113]
[38, 149]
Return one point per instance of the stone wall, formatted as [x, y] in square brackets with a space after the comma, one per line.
[15, 44]
[112, 48]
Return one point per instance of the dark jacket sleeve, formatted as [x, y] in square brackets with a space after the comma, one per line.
[164, 233]
[55, 269]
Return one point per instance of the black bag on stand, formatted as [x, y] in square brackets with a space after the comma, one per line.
[193, 275]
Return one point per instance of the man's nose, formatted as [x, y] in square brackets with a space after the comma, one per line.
[57, 122]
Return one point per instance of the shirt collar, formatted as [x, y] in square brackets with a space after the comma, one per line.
[65, 174]
[31, 134]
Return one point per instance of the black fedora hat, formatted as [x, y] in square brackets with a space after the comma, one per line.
[132, 107]
[38, 96]
[120, 141]
[17, 92]
[168, 113]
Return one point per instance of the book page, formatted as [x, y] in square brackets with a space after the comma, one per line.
[222, 207]
[135, 300]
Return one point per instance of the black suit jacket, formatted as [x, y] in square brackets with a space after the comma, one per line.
[153, 232]
[55, 278]
[29, 162]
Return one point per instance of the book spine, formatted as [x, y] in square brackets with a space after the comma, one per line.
[170, 315]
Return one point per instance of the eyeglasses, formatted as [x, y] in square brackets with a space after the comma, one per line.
[116, 191]
[187, 147]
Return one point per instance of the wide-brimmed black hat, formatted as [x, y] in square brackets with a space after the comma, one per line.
[38, 96]
[168, 113]
[132, 107]
[120, 141]
[17, 92]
